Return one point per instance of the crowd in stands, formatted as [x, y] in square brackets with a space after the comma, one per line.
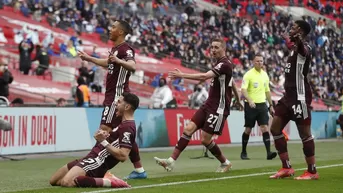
[187, 35]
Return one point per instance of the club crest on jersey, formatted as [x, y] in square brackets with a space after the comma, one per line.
[110, 68]
[126, 138]
[129, 53]
[218, 66]
[255, 84]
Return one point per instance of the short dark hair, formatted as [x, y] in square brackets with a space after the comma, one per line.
[61, 100]
[304, 26]
[125, 26]
[131, 99]
[18, 101]
[222, 41]
[257, 55]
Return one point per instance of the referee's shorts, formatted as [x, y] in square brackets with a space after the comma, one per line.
[259, 114]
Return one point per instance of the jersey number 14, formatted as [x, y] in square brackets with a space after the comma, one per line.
[297, 109]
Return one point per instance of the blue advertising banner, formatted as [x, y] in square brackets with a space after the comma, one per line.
[150, 124]
[323, 124]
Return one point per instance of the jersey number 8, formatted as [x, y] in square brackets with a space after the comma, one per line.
[106, 111]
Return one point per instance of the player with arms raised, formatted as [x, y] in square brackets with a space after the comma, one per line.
[295, 104]
[212, 115]
[112, 147]
[120, 64]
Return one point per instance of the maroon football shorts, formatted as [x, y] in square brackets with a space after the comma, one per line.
[90, 166]
[295, 110]
[212, 123]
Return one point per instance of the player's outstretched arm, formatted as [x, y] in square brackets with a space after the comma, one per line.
[198, 76]
[98, 61]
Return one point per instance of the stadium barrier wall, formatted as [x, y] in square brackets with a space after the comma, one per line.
[43, 130]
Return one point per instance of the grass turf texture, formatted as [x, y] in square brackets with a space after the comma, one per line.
[33, 175]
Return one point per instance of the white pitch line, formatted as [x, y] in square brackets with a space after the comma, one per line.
[203, 180]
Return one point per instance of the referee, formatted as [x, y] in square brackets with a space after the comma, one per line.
[255, 89]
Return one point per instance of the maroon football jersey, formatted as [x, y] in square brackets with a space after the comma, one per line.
[122, 136]
[220, 94]
[117, 80]
[296, 84]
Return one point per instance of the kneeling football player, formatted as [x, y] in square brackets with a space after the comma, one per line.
[113, 147]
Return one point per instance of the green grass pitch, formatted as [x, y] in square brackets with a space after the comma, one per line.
[32, 175]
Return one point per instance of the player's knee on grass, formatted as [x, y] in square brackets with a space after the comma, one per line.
[57, 177]
[68, 180]
[68, 183]
[190, 128]
[206, 138]
[247, 130]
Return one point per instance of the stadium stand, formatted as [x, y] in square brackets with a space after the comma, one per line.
[170, 38]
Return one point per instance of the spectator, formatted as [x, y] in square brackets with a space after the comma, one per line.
[98, 74]
[25, 50]
[198, 97]
[162, 96]
[17, 102]
[2, 37]
[48, 40]
[82, 98]
[33, 35]
[43, 59]
[61, 102]
[18, 37]
[84, 72]
[6, 78]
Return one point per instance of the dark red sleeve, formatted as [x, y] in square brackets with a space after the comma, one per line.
[126, 136]
[289, 44]
[303, 48]
[127, 53]
[222, 68]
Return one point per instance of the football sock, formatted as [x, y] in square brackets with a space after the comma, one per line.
[134, 156]
[85, 181]
[180, 146]
[215, 150]
[245, 140]
[281, 147]
[266, 141]
[139, 170]
[309, 148]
